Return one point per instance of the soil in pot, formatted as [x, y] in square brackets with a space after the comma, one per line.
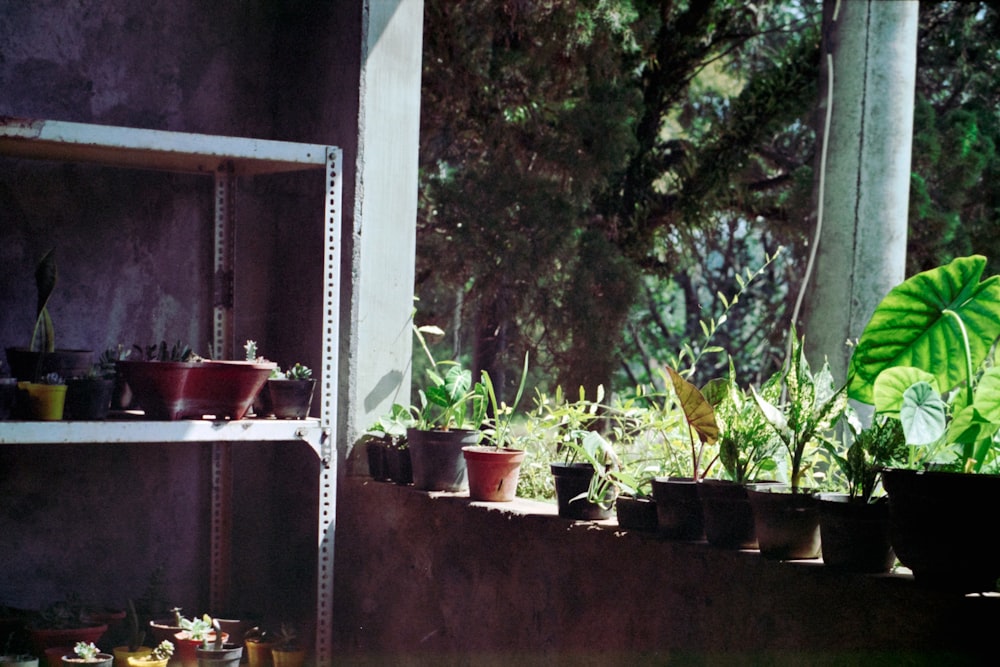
[437, 458]
[678, 508]
[787, 524]
[727, 514]
[941, 529]
[493, 472]
[854, 535]
[636, 513]
[102, 660]
[572, 484]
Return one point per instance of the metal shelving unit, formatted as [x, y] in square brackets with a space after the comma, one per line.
[225, 159]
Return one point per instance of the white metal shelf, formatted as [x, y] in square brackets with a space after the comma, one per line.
[141, 431]
[225, 159]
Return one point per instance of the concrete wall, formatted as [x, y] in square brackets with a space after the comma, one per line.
[449, 582]
[134, 251]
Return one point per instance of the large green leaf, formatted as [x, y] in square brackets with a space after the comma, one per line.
[923, 414]
[697, 410]
[909, 327]
[892, 383]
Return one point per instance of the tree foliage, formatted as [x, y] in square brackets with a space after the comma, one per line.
[597, 176]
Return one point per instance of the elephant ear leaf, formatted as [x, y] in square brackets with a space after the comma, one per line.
[909, 326]
[697, 410]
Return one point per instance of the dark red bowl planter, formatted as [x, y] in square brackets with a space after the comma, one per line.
[192, 390]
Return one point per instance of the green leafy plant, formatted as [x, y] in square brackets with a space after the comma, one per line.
[52, 378]
[298, 372]
[162, 651]
[450, 399]
[747, 442]
[496, 428]
[161, 352]
[871, 449]
[46, 275]
[811, 406]
[86, 651]
[197, 628]
[106, 364]
[924, 358]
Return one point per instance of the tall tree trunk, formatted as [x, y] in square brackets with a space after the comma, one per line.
[867, 87]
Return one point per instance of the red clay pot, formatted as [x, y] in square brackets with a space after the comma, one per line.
[493, 472]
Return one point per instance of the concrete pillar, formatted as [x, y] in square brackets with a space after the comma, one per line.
[377, 317]
[864, 192]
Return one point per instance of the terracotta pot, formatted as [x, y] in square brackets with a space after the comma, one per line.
[572, 484]
[437, 458]
[787, 523]
[44, 638]
[88, 398]
[28, 366]
[636, 513]
[43, 402]
[940, 527]
[192, 390]
[854, 535]
[728, 517]
[493, 472]
[164, 629]
[286, 399]
[678, 508]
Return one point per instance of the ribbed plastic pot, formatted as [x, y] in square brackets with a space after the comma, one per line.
[437, 458]
[787, 523]
[678, 508]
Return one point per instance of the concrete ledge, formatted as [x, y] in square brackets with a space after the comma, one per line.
[440, 579]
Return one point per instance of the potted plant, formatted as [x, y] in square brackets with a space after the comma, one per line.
[785, 516]
[44, 400]
[175, 383]
[285, 394]
[584, 486]
[747, 447]
[86, 653]
[493, 467]
[450, 413]
[88, 397]
[136, 636]
[158, 656]
[936, 375]
[63, 623]
[214, 651]
[42, 357]
[686, 421]
[287, 652]
[386, 447]
[258, 644]
[854, 523]
[195, 632]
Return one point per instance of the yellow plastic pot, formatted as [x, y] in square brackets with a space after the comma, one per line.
[45, 401]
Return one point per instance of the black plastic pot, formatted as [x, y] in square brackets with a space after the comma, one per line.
[437, 458]
[636, 513]
[787, 524]
[88, 398]
[727, 514]
[941, 527]
[854, 535]
[572, 484]
[678, 508]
